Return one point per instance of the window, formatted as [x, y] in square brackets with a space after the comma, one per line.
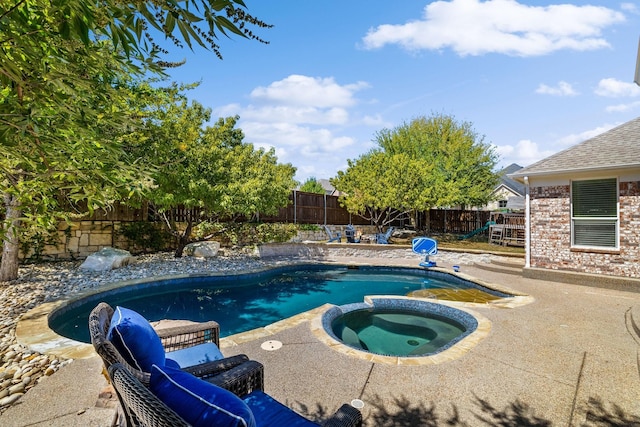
[502, 204]
[594, 213]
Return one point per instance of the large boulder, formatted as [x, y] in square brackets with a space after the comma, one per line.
[202, 249]
[107, 259]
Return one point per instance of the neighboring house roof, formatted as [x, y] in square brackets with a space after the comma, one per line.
[617, 148]
[328, 188]
[514, 186]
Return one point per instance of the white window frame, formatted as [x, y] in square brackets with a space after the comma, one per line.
[587, 219]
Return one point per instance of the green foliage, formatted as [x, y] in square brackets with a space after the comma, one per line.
[309, 227]
[311, 185]
[427, 163]
[33, 243]
[69, 95]
[211, 171]
[146, 236]
[245, 234]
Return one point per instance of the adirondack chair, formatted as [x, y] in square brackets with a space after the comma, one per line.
[333, 237]
[350, 232]
[383, 238]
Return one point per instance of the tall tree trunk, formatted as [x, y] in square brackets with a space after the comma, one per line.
[183, 239]
[10, 245]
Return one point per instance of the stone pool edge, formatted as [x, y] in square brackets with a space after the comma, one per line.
[33, 331]
[456, 351]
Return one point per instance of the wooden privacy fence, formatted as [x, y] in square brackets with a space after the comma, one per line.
[456, 221]
[311, 208]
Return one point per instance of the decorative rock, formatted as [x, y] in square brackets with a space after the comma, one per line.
[202, 249]
[107, 259]
[10, 399]
[18, 388]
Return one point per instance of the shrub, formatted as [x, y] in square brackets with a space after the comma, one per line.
[245, 234]
[145, 236]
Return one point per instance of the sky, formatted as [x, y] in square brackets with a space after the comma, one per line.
[531, 77]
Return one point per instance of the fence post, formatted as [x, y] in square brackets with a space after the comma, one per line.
[445, 220]
[325, 208]
[295, 207]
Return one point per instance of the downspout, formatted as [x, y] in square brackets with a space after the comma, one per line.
[527, 224]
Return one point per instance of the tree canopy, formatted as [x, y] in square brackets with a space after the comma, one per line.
[426, 163]
[211, 171]
[70, 75]
[311, 185]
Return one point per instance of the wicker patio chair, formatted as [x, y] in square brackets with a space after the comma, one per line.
[140, 406]
[237, 374]
[145, 409]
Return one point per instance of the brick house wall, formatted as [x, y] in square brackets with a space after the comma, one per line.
[550, 228]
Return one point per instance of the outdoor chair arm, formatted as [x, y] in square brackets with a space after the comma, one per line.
[240, 380]
[179, 337]
[215, 367]
[346, 416]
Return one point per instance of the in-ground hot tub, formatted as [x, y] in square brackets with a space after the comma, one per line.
[401, 327]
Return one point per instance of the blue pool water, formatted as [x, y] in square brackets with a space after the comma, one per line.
[395, 332]
[402, 327]
[243, 302]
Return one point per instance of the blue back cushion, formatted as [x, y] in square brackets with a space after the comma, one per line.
[198, 402]
[135, 339]
[269, 412]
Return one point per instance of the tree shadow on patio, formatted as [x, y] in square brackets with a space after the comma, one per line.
[401, 412]
[598, 415]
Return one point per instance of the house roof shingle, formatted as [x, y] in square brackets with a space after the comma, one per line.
[510, 183]
[614, 149]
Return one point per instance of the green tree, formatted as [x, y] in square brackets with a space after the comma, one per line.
[426, 163]
[212, 172]
[311, 185]
[65, 68]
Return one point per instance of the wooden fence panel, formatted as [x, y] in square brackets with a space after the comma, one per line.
[456, 221]
[311, 208]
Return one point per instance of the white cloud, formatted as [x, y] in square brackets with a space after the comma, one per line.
[527, 152]
[283, 113]
[524, 153]
[629, 7]
[622, 108]
[304, 118]
[297, 90]
[475, 27]
[614, 88]
[576, 138]
[562, 89]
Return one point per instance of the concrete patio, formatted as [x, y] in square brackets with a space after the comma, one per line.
[569, 358]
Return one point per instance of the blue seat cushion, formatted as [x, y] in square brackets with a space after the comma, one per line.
[269, 412]
[191, 356]
[198, 402]
[135, 339]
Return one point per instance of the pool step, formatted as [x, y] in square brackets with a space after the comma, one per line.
[460, 295]
[513, 267]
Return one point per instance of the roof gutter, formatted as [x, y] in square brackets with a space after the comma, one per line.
[527, 224]
[522, 176]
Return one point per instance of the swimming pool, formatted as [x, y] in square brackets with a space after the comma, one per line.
[248, 301]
